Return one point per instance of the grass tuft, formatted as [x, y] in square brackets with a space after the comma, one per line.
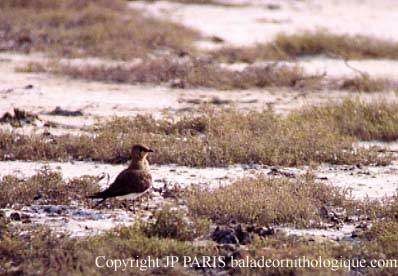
[43, 252]
[224, 137]
[190, 73]
[266, 201]
[365, 121]
[365, 84]
[81, 28]
[46, 187]
[175, 224]
[322, 42]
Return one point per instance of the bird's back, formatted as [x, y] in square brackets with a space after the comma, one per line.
[129, 181]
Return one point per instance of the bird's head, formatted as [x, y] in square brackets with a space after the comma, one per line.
[139, 152]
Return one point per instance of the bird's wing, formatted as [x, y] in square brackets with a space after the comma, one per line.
[127, 182]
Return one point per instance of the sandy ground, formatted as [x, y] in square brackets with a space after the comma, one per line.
[251, 22]
[256, 22]
[79, 221]
[336, 68]
[41, 93]
[363, 183]
[374, 182]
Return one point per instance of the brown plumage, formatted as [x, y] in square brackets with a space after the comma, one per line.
[136, 179]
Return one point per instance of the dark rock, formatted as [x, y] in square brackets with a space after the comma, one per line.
[363, 225]
[183, 53]
[53, 210]
[357, 233]
[37, 196]
[264, 231]
[224, 235]
[178, 83]
[272, 6]
[29, 86]
[19, 118]
[218, 101]
[193, 101]
[335, 214]
[25, 218]
[243, 236]
[276, 171]
[216, 39]
[15, 216]
[351, 219]
[63, 112]
[170, 192]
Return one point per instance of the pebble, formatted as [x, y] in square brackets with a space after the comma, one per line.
[15, 216]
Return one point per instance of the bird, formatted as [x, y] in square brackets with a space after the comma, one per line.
[136, 180]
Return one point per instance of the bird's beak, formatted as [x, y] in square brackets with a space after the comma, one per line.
[149, 150]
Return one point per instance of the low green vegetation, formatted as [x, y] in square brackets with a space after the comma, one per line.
[366, 84]
[219, 138]
[318, 43]
[185, 73]
[382, 239]
[51, 254]
[273, 201]
[366, 121]
[45, 187]
[174, 232]
[172, 222]
[81, 28]
[43, 252]
[378, 256]
[201, 73]
[222, 137]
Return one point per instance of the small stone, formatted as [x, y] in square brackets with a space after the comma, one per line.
[24, 216]
[264, 231]
[224, 235]
[216, 39]
[357, 233]
[178, 83]
[53, 210]
[363, 225]
[243, 236]
[63, 112]
[351, 219]
[15, 216]
[37, 196]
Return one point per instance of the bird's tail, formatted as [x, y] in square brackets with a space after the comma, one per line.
[99, 194]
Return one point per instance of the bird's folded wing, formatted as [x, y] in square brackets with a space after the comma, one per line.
[129, 181]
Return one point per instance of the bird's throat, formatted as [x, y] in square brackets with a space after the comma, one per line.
[141, 164]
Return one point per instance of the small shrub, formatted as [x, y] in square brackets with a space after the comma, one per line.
[43, 252]
[366, 121]
[46, 187]
[223, 137]
[175, 224]
[365, 84]
[322, 42]
[88, 28]
[266, 200]
[191, 73]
